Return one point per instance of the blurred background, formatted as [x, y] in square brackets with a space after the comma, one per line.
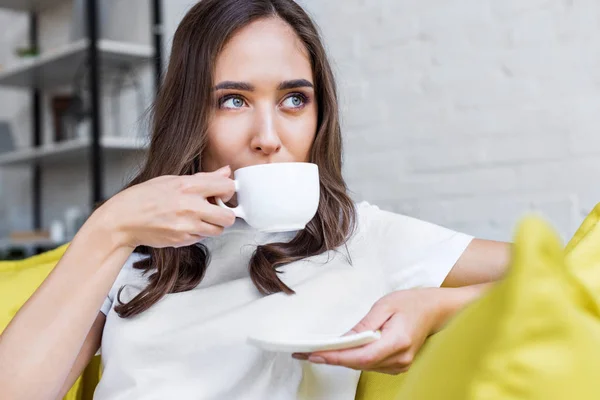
[468, 113]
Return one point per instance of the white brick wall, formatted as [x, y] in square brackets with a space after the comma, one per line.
[467, 113]
[470, 113]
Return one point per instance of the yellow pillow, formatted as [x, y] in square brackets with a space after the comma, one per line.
[378, 386]
[582, 253]
[535, 335]
[18, 281]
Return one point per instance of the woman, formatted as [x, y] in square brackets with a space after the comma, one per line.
[248, 83]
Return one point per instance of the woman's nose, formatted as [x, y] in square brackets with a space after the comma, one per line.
[266, 138]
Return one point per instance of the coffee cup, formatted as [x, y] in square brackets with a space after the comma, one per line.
[277, 197]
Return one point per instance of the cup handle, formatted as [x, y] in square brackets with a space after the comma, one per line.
[238, 211]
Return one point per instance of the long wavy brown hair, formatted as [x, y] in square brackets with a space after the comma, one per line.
[180, 117]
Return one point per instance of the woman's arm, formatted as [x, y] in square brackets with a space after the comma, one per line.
[407, 317]
[483, 261]
[40, 345]
[87, 352]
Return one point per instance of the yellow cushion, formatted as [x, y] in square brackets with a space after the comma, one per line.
[18, 281]
[378, 386]
[535, 335]
[583, 253]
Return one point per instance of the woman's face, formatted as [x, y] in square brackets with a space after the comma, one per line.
[265, 106]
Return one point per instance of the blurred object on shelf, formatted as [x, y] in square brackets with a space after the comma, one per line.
[29, 236]
[60, 105]
[24, 52]
[74, 220]
[57, 231]
[69, 113]
[7, 142]
[124, 78]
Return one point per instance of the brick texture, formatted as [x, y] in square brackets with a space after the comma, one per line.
[470, 113]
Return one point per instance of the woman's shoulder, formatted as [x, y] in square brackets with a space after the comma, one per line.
[363, 208]
[368, 214]
[374, 220]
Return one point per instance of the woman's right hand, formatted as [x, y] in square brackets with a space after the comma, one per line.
[170, 211]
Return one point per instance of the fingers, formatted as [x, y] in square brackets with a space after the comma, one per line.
[191, 235]
[208, 230]
[210, 184]
[356, 358]
[370, 356]
[216, 215]
[224, 171]
[191, 240]
[395, 364]
[375, 319]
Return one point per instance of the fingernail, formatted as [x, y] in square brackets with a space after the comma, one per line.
[224, 170]
[316, 360]
[300, 356]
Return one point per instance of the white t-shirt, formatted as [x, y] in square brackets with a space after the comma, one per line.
[192, 345]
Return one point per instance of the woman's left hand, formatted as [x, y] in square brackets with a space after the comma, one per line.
[405, 318]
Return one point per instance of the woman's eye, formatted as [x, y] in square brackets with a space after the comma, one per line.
[233, 102]
[294, 101]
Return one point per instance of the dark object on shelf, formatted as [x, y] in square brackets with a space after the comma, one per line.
[60, 105]
[6, 139]
[13, 254]
[68, 112]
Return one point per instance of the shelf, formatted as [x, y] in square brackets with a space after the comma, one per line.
[76, 150]
[7, 243]
[28, 5]
[60, 66]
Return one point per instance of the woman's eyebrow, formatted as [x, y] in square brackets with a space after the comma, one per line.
[235, 86]
[248, 87]
[294, 84]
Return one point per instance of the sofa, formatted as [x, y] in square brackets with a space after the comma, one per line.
[534, 335]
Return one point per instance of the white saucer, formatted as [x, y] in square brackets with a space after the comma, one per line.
[314, 344]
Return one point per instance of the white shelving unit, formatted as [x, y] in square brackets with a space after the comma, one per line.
[60, 66]
[28, 5]
[88, 59]
[71, 151]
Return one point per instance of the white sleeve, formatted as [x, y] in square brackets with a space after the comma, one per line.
[127, 275]
[411, 252]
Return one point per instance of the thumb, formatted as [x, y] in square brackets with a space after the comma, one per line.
[224, 171]
[373, 321]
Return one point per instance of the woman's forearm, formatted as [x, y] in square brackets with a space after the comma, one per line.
[449, 301]
[483, 261]
[41, 343]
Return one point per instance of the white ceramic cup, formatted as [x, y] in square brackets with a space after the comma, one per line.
[277, 197]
